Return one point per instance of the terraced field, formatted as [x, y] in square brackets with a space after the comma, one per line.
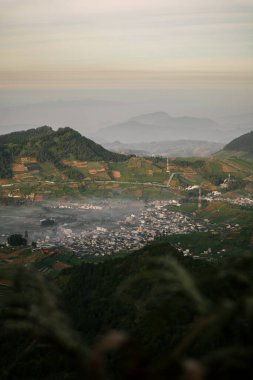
[134, 178]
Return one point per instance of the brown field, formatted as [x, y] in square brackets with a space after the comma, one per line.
[211, 187]
[38, 197]
[92, 171]
[172, 168]
[17, 258]
[104, 176]
[19, 168]
[173, 183]
[115, 174]
[134, 162]
[3, 181]
[187, 169]
[22, 176]
[73, 185]
[227, 168]
[28, 160]
[75, 164]
[60, 266]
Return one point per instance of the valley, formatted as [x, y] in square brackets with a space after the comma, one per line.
[124, 238]
[109, 207]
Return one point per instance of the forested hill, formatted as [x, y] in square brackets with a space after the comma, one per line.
[47, 145]
[243, 143]
[22, 137]
[67, 143]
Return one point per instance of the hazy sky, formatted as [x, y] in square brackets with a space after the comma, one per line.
[165, 45]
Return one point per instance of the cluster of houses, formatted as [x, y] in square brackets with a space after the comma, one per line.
[239, 201]
[131, 233]
[207, 254]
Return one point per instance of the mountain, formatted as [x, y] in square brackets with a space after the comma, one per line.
[159, 126]
[178, 148]
[47, 145]
[243, 143]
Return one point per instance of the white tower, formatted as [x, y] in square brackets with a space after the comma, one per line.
[200, 198]
[167, 167]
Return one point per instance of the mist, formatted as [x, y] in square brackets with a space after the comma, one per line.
[22, 219]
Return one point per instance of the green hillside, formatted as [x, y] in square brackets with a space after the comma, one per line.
[5, 163]
[243, 143]
[22, 137]
[68, 144]
[46, 145]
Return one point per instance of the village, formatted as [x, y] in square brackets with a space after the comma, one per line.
[96, 228]
[128, 234]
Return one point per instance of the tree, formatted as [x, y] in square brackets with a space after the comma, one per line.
[16, 240]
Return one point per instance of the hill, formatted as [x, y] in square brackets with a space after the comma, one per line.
[22, 137]
[67, 143]
[243, 143]
[46, 145]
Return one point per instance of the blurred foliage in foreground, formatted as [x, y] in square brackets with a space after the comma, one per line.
[150, 315]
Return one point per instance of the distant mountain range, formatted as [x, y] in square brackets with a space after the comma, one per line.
[159, 126]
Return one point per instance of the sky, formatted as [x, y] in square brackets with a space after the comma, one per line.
[129, 50]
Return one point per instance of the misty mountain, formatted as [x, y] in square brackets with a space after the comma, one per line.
[178, 148]
[159, 126]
